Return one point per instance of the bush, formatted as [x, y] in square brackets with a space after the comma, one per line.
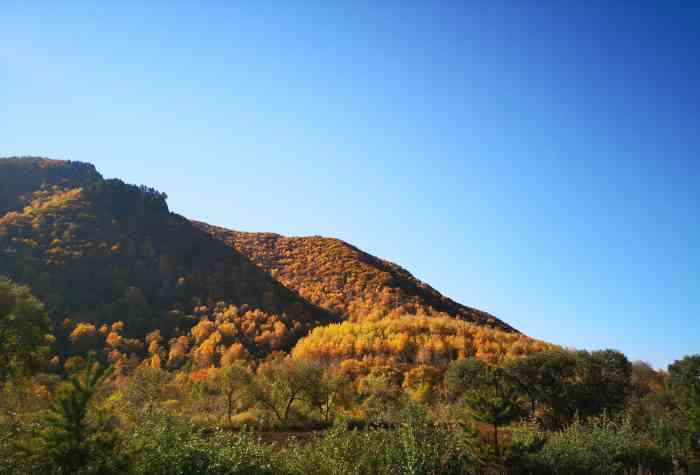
[602, 446]
[416, 448]
[11, 461]
[167, 446]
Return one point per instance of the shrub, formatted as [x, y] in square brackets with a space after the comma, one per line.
[167, 446]
[602, 445]
[417, 448]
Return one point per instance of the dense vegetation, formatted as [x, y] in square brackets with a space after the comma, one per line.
[22, 176]
[108, 252]
[542, 410]
[344, 280]
[412, 344]
[141, 344]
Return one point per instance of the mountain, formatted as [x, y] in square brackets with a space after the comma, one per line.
[101, 252]
[122, 275]
[344, 280]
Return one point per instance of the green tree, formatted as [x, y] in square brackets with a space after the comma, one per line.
[74, 441]
[234, 383]
[24, 327]
[493, 400]
[604, 382]
[331, 391]
[463, 375]
[547, 379]
[684, 385]
[280, 383]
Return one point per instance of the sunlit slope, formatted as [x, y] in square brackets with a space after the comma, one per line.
[345, 280]
[409, 342]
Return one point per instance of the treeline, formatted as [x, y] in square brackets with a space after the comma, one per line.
[547, 411]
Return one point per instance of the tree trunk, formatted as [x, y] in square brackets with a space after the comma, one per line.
[495, 440]
[286, 413]
[230, 408]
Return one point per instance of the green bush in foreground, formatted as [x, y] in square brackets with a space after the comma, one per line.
[416, 447]
[602, 446]
[167, 446]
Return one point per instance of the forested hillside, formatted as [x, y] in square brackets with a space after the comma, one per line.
[22, 176]
[100, 252]
[121, 274]
[345, 280]
[166, 342]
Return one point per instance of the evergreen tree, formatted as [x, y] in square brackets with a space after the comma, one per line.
[74, 441]
[494, 401]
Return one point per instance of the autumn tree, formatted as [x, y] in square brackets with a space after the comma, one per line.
[84, 338]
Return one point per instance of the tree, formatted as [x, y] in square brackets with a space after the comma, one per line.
[604, 382]
[147, 386]
[234, 382]
[684, 384]
[463, 375]
[547, 378]
[280, 383]
[382, 395]
[24, 326]
[493, 400]
[332, 390]
[72, 441]
[84, 338]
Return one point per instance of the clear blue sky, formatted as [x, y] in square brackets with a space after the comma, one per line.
[538, 160]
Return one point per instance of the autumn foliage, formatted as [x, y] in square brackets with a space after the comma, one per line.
[410, 342]
[344, 280]
[106, 252]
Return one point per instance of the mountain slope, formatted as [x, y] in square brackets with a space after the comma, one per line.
[104, 251]
[345, 280]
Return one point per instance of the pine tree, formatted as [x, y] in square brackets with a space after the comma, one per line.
[494, 401]
[74, 441]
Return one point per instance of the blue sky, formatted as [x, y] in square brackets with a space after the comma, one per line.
[538, 160]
